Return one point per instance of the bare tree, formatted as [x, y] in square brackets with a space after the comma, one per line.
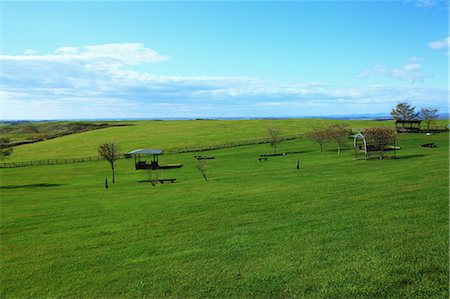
[201, 166]
[5, 148]
[338, 134]
[153, 176]
[379, 138]
[429, 115]
[319, 136]
[274, 138]
[109, 151]
[404, 111]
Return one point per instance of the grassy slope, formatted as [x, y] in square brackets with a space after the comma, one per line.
[336, 228]
[47, 130]
[168, 134]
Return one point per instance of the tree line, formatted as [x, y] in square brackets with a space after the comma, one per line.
[337, 134]
[405, 111]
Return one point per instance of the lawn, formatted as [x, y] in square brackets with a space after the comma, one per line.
[334, 228]
[169, 134]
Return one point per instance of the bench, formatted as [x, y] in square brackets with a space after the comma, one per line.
[263, 159]
[429, 145]
[162, 181]
[204, 157]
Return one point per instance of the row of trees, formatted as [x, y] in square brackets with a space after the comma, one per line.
[378, 138]
[405, 111]
[337, 134]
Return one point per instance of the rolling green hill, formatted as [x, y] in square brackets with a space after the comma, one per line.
[336, 227]
[169, 134]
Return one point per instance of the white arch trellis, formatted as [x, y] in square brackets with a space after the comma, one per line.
[358, 147]
[362, 146]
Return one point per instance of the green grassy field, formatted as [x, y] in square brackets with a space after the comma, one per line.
[334, 228]
[169, 134]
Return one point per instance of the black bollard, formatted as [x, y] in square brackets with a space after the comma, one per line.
[298, 164]
[106, 183]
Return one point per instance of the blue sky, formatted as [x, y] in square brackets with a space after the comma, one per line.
[221, 59]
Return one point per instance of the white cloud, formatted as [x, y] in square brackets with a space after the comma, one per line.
[67, 50]
[415, 59]
[95, 82]
[412, 67]
[29, 52]
[426, 3]
[440, 44]
[101, 55]
[410, 72]
[128, 54]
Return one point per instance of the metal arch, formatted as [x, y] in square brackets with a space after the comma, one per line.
[360, 135]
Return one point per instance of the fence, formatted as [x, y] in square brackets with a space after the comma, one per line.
[227, 145]
[50, 162]
[167, 152]
[433, 128]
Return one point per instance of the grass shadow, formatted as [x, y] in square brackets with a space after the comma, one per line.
[42, 185]
[301, 152]
[409, 156]
[329, 150]
[375, 158]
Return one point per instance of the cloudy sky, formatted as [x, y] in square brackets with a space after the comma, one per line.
[75, 60]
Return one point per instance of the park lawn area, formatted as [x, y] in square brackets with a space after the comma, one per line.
[334, 228]
[170, 134]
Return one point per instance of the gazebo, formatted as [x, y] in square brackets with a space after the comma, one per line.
[145, 152]
[407, 126]
[154, 153]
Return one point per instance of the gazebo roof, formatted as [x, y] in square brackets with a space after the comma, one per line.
[146, 151]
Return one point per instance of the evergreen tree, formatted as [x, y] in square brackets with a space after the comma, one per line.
[404, 111]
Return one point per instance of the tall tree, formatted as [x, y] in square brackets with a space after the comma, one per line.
[274, 138]
[109, 151]
[404, 111]
[429, 115]
[338, 134]
[5, 148]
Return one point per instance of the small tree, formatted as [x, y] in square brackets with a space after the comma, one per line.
[109, 151]
[153, 176]
[429, 115]
[338, 134]
[201, 166]
[5, 148]
[378, 138]
[319, 136]
[274, 138]
[404, 111]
